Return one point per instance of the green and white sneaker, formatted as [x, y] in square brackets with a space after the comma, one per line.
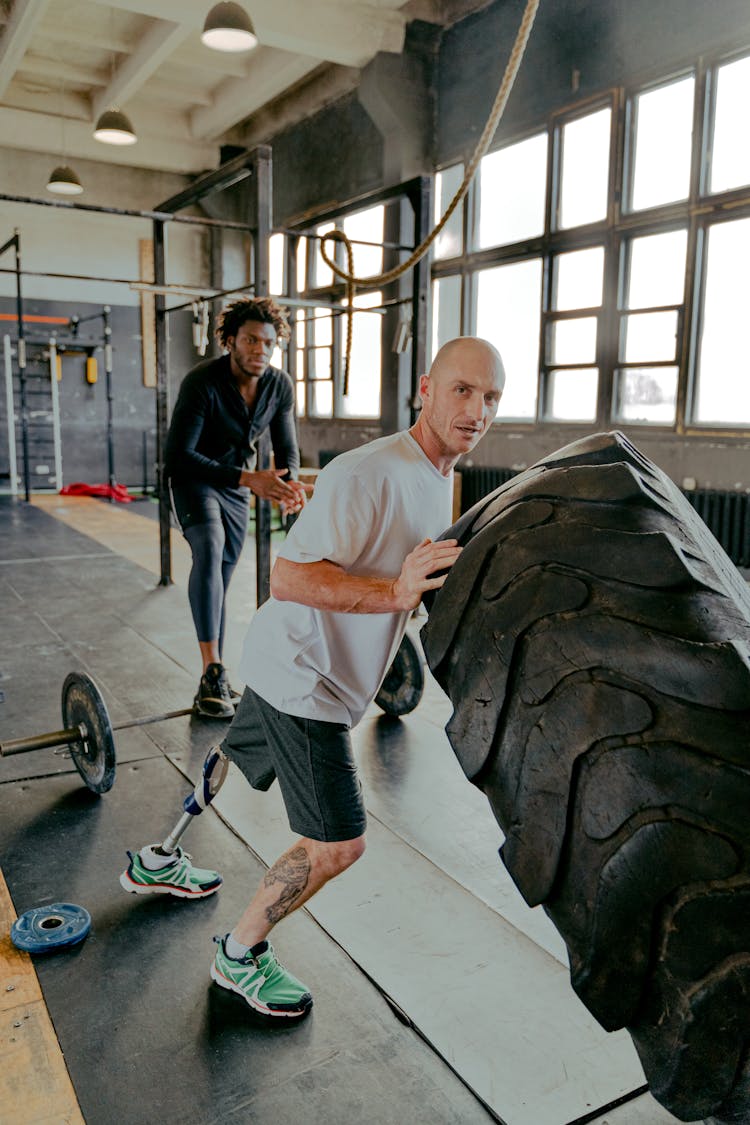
[261, 981]
[178, 877]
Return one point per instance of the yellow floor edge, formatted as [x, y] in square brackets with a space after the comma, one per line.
[127, 533]
[35, 1087]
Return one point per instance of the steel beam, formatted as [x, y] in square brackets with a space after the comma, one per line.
[261, 208]
[162, 406]
[419, 194]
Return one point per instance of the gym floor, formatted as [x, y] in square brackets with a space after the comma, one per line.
[440, 997]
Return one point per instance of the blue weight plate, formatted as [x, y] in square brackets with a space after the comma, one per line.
[44, 929]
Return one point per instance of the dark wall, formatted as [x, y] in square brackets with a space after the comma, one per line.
[337, 154]
[331, 158]
[608, 42]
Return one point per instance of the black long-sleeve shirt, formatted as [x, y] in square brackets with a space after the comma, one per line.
[213, 433]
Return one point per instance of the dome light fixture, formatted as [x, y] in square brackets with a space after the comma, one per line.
[228, 27]
[114, 128]
[64, 181]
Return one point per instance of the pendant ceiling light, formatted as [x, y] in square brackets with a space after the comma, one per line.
[228, 27]
[114, 128]
[64, 181]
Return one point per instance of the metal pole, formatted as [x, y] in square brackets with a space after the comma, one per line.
[56, 429]
[230, 173]
[216, 274]
[162, 406]
[262, 188]
[16, 242]
[80, 733]
[11, 242]
[108, 376]
[159, 215]
[396, 367]
[421, 201]
[144, 454]
[10, 411]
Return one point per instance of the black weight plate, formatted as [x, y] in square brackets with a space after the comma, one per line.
[45, 929]
[94, 754]
[402, 688]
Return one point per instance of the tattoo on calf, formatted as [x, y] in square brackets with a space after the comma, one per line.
[292, 871]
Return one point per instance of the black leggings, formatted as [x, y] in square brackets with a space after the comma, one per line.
[214, 522]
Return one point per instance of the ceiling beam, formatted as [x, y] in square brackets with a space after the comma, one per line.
[38, 132]
[157, 45]
[271, 73]
[16, 37]
[76, 106]
[193, 65]
[339, 31]
[159, 91]
[53, 72]
[59, 33]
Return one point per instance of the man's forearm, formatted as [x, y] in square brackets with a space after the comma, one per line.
[323, 585]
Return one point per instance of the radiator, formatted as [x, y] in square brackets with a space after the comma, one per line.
[477, 482]
[726, 514]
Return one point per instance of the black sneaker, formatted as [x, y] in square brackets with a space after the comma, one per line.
[235, 696]
[213, 699]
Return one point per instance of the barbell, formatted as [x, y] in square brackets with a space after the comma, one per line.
[88, 731]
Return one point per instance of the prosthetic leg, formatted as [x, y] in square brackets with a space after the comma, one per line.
[210, 782]
[165, 868]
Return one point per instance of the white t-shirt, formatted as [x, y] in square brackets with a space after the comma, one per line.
[370, 508]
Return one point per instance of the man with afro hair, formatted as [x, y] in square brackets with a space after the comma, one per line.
[223, 407]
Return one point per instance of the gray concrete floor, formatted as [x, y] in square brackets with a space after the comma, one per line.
[440, 996]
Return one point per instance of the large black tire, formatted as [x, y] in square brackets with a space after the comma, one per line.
[594, 640]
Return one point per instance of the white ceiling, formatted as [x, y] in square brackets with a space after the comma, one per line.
[64, 61]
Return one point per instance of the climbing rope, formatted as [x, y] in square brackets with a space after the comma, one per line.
[498, 108]
[339, 236]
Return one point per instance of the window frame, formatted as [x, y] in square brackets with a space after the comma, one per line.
[696, 214]
[415, 193]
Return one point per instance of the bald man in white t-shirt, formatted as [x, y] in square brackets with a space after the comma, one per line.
[354, 566]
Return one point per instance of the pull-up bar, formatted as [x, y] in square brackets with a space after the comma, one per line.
[153, 216]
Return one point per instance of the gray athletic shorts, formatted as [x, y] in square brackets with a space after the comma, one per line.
[312, 760]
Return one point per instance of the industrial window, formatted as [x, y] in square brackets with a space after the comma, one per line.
[662, 144]
[605, 255]
[511, 188]
[722, 387]
[321, 328]
[584, 173]
[730, 159]
[276, 258]
[571, 374]
[446, 310]
[365, 230]
[299, 363]
[319, 353]
[651, 309]
[450, 242]
[508, 314]
[321, 274]
[362, 399]
[277, 286]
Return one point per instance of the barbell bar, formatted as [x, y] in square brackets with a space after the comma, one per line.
[88, 731]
